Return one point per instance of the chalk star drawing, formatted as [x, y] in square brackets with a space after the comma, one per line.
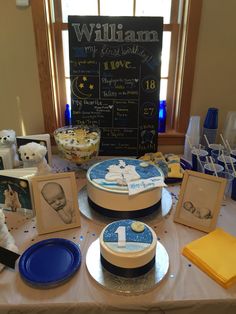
[84, 86]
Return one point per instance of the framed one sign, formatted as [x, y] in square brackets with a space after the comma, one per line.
[115, 80]
[200, 200]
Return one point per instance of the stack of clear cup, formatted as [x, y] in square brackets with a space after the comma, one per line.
[229, 177]
[229, 131]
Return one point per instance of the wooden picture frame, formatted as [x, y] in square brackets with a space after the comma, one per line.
[199, 200]
[56, 202]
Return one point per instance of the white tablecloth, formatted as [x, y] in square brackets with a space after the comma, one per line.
[186, 289]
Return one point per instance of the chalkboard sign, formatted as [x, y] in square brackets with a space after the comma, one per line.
[115, 80]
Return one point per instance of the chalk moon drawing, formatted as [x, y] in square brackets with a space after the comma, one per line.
[81, 87]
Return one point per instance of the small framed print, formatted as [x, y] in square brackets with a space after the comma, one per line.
[199, 200]
[56, 202]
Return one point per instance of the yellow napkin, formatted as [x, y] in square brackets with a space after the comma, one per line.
[215, 254]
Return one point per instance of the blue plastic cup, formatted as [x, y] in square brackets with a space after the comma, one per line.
[211, 120]
[233, 193]
[210, 169]
[201, 153]
[215, 153]
[215, 147]
[210, 126]
[233, 153]
[227, 159]
[229, 180]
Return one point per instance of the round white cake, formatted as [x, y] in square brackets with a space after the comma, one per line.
[108, 184]
[128, 248]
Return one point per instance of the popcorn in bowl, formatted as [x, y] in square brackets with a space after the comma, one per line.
[79, 144]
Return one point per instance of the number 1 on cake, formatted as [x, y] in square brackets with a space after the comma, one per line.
[121, 236]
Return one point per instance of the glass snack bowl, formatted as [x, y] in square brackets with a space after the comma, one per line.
[78, 144]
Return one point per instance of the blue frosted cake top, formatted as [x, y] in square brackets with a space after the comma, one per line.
[100, 170]
[110, 234]
[114, 174]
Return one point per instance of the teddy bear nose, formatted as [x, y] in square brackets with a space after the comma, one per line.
[27, 157]
[5, 138]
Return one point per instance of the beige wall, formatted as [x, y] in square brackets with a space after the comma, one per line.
[215, 72]
[20, 100]
[214, 82]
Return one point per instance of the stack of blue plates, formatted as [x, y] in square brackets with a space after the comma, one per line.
[49, 263]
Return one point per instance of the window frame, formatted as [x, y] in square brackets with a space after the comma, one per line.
[48, 40]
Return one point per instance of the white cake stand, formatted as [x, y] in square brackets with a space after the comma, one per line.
[122, 285]
[87, 211]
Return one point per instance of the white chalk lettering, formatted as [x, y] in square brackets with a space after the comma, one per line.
[112, 32]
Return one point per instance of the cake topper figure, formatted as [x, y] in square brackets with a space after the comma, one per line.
[122, 174]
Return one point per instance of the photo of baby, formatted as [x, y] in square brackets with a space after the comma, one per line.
[56, 202]
[199, 200]
[201, 213]
[54, 195]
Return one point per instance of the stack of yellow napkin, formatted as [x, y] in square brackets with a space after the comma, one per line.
[215, 254]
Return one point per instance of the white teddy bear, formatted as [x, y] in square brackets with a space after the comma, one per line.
[8, 140]
[33, 155]
[6, 239]
[122, 173]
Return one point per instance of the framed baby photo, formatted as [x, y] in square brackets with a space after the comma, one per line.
[56, 202]
[199, 200]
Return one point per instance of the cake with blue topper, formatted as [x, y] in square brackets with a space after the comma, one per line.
[128, 248]
[124, 187]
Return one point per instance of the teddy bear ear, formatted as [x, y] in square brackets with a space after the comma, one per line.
[11, 131]
[43, 150]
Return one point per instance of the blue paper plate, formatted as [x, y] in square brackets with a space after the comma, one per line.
[49, 263]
